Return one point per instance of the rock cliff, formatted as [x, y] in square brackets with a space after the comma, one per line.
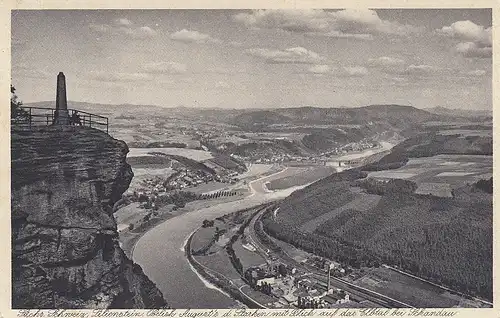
[65, 250]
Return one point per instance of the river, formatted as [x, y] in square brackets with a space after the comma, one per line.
[160, 253]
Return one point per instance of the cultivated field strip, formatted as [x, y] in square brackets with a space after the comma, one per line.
[362, 202]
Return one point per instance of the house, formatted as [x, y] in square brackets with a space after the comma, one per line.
[266, 280]
[309, 286]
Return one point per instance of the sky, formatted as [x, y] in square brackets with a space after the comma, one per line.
[256, 58]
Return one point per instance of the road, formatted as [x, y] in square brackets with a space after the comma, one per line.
[357, 291]
[160, 250]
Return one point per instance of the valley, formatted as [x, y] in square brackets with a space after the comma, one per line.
[358, 187]
[294, 158]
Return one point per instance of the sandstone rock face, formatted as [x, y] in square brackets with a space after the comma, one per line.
[65, 251]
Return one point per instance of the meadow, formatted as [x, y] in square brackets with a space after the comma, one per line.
[197, 155]
[307, 175]
[406, 289]
[440, 174]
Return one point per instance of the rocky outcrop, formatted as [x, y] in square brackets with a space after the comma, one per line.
[65, 250]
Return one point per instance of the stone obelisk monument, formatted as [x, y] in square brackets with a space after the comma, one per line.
[61, 116]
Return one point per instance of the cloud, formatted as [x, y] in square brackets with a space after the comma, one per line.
[424, 70]
[476, 73]
[320, 69]
[100, 28]
[188, 36]
[420, 69]
[468, 31]
[165, 68]
[348, 23]
[124, 27]
[395, 66]
[138, 33]
[354, 71]
[119, 77]
[345, 71]
[471, 49]
[296, 55]
[476, 40]
[385, 61]
[289, 20]
[123, 21]
[341, 35]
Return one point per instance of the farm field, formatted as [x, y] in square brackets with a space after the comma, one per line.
[407, 289]
[247, 257]
[466, 132]
[141, 174]
[220, 263]
[441, 171]
[454, 124]
[149, 162]
[198, 155]
[307, 175]
[287, 172]
[437, 189]
[203, 237]
[129, 214]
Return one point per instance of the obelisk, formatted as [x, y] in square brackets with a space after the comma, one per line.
[61, 116]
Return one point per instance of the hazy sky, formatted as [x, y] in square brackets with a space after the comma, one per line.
[238, 59]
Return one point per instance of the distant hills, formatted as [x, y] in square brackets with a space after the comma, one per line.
[305, 114]
[312, 120]
[395, 115]
[439, 110]
[101, 109]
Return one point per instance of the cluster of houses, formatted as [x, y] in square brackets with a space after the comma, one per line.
[325, 264]
[293, 288]
[281, 158]
[359, 146]
[311, 160]
[186, 178]
[180, 180]
[354, 146]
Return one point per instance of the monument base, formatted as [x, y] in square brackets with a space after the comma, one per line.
[61, 117]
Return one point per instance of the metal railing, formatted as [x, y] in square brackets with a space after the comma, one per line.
[33, 117]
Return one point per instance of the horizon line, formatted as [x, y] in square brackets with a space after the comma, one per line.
[260, 108]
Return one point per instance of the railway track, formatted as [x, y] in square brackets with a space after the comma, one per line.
[360, 293]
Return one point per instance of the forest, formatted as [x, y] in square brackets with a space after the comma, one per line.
[445, 240]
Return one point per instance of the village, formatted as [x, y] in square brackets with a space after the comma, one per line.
[203, 182]
[273, 156]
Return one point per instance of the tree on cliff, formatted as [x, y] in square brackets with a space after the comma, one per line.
[15, 106]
